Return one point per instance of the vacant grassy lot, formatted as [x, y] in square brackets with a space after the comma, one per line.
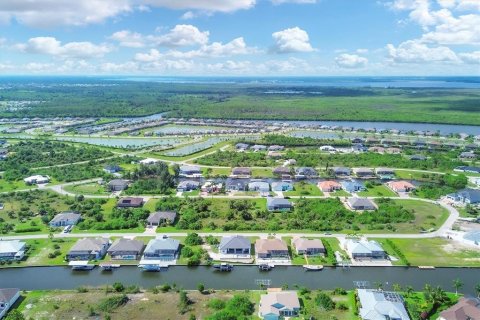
[427, 216]
[304, 189]
[436, 251]
[87, 188]
[377, 191]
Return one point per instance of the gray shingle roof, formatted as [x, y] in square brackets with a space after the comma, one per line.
[126, 245]
[234, 242]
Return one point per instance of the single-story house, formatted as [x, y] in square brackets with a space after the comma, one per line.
[189, 171]
[277, 305]
[352, 186]
[305, 172]
[12, 250]
[188, 185]
[274, 154]
[357, 140]
[328, 148]
[359, 148]
[356, 203]
[465, 196]
[148, 161]
[278, 204]
[237, 185]
[379, 304]
[89, 249]
[162, 248]
[472, 146]
[467, 169]
[282, 171]
[126, 249]
[63, 219]
[271, 248]
[261, 186]
[310, 247]
[418, 157]
[211, 187]
[258, 147]
[160, 217]
[383, 172]
[393, 150]
[37, 179]
[241, 146]
[8, 297]
[241, 172]
[235, 245]
[282, 186]
[365, 249]
[117, 185]
[376, 149]
[112, 168]
[467, 155]
[275, 148]
[467, 308]
[130, 202]
[329, 186]
[401, 186]
[364, 172]
[340, 171]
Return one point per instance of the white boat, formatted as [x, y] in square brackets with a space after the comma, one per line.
[81, 265]
[309, 267]
[223, 267]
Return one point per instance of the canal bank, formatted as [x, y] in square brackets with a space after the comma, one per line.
[242, 277]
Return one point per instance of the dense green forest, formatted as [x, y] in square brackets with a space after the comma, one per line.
[152, 179]
[95, 97]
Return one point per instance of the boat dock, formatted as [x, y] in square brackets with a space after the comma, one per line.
[81, 265]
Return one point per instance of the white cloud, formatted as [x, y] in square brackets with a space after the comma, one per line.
[294, 1]
[216, 49]
[468, 5]
[152, 55]
[413, 51]
[447, 3]
[206, 5]
[183, 35]
[51, 46]
[45, 13]
[229, 66]
[119, 68]
[351, 61]
[462, 30]
[470, 57]
[129, 39]
[291, 40]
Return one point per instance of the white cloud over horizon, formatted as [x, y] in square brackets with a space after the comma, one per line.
[291, 40]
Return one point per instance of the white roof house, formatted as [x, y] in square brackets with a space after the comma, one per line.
[381, 305]
[148, 161]
[37, 179]
[358, 249]
[12, 250]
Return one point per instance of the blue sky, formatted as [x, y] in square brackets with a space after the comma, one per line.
[240, 37]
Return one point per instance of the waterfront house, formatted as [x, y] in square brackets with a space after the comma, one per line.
[8, 297]
[385, 173]
[257, 185]
[162, 248]
[190, 171]
[469, 169]
[327, 148]
[161, 217]
[401, 186]
[241, 146]
[418, 157]
[379, 304]
[271, 248]
[112, 168]
[467, 308]
[241, 172]
[63, 219]
[329, 186]
[234, 245]
[465, 196]
[393, 150]
[258, 147]
[275, 148]
[126, 249]
[309, 247]
[89, 249]
[278, 204]
[359, 249]
[37, 179]
[305, 172]
[212, 187]
[352, 186]
[12, 250]
[188, 185]
[467, 155]
[282, 171]
[274, 154]
[356, 203]
[276, 305]
[130, 202]
[364, 173]
[282, 186]
[340, 171]
[116, 185]
[376, 149]
[237, 185]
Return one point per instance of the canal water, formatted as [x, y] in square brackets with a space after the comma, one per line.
[242, 277]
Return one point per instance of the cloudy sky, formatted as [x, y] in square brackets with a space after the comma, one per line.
[240, 37]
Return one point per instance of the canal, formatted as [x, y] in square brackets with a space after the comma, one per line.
[242, 277]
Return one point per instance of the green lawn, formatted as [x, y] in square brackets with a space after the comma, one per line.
[213, 172]
[14, 185]
[427, 216]
[304, 189]
[435, 252]
[310, 309]
[86, 189]
[377, 191]
[262, 173]
[340, 193]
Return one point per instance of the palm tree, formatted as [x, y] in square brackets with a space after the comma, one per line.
[409, 290]
[397, 287]
[457, 284]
